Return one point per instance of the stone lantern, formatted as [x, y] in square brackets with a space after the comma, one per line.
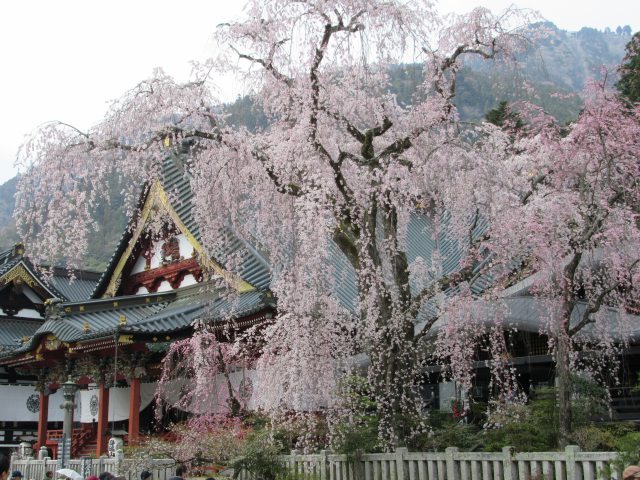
[69, 389]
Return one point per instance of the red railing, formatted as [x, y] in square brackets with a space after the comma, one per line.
[79, 438]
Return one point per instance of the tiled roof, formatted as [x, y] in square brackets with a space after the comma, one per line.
[153, 313]
[184, 311]
[421, 241]
[13, 330]
[252, 266]
[63, 284]
[76, 289]
[8, 260]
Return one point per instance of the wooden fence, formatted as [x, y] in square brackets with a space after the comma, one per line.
[35, 469]
[570, 464]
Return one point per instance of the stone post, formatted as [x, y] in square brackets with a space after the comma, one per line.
[453, 472]
[119, 459]
[69, 393]
[507, 464]
[401, 469]
[570, 459]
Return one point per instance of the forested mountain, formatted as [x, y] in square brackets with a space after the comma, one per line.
[111, 219]
[561, 63]
[8, 235]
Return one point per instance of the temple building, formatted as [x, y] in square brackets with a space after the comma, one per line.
[106, 334]
[93, 343]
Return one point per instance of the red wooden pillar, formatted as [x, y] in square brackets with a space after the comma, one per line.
[43, 418]
[134, 410]
[103, 420]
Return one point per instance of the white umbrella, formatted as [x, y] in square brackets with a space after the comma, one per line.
[71, 474]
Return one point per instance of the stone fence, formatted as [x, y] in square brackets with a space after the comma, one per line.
[570, 464]
[35, 469]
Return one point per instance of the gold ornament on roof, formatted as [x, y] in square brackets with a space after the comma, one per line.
[18, 274]
[122, 321]
[52, 343]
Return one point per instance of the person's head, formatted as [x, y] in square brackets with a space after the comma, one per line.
[5, 465]
[181, 470]
[631, 472]
[145, 475]
[48, 474]
[16, 475]
[106, 476]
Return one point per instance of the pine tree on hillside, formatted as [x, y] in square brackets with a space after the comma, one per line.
[629, 83]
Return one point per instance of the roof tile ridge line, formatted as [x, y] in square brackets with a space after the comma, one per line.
[262, 257]
[196, 290]
[162, 299]
[8, 252]
[156, 299]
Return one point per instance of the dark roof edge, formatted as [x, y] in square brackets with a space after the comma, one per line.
[121, 247]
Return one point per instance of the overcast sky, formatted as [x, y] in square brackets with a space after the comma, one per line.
[65, 59]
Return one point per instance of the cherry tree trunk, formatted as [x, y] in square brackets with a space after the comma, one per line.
[394, 376]
[563, 386]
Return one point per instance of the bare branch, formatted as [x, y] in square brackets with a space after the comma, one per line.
[594, 305]
[281, 187]
[267, 64]
[440, 285]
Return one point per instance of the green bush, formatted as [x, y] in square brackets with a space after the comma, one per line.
[628, 447]
[535, 428]
[461, 435]
[606, 437]
[358, 430]
[260, 458]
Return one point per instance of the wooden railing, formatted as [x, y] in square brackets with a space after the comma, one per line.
[79, 440]
[80, 436]
[54, 435]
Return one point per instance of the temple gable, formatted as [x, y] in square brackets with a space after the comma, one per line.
[161, 254]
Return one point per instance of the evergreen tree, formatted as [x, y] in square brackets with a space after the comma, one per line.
[505, 118]
[629, 83]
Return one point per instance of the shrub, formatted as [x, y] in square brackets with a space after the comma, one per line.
[260, 458]
[355, 425]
